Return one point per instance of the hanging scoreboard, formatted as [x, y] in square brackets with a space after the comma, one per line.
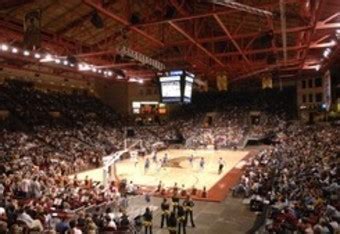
[170, 89]
[176, 86]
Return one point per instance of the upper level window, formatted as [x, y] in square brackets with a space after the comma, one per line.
[318, 82]
[310, 83]
[318, 97]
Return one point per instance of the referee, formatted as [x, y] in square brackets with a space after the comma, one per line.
[221, 164]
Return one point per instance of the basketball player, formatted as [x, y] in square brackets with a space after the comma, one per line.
[202, 162]
[154, 156]
[134, 158]
[159, 187]
[221, 164]
[165, 159]
[191, 160]
[159, 165]
[146, 165]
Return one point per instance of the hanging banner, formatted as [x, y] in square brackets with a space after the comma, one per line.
[222, 82]
[267, 81]
[327, 98]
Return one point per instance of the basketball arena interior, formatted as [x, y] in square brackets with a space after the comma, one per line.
[169, 116]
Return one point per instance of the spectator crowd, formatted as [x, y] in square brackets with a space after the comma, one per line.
[49, 136]
[297, 180]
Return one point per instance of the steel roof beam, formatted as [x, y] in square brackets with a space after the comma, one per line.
[49, 38]
[179, 7]
[226, 31]
[96, 53]
[258, 51]
[236, 37]
[321, 25]
[317, 13]
[73, 24]
[117, 65]
[210, 13]
[119, 19]
[242, 7]
[181, 31]
[326, 24]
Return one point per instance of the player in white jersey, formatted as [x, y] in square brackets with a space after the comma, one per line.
[159, 165]
[165, 159]
[134, 158]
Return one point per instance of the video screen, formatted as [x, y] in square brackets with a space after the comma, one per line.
[170, 88]
[188, 89]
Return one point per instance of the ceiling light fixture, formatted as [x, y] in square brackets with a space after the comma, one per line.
[4, 47]
[15, 50]
[37, 56]
[46, 57]
[327, 52]
[26, 53]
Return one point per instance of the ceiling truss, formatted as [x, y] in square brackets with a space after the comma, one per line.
[205, 42]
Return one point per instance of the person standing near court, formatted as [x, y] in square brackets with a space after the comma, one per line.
[165, 207]
[172, 223]
[147, 220]
[181, 219]
[175, 201]
[189, 206]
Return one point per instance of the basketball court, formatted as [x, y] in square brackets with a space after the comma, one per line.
[179, 170]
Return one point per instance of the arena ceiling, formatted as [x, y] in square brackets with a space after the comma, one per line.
[203, 36]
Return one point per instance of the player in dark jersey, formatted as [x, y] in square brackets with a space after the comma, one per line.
[221, 164]
[202, 163]
[191, 160]
[154, 156]
[146, 165]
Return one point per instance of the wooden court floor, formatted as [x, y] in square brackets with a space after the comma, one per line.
[178, 169]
